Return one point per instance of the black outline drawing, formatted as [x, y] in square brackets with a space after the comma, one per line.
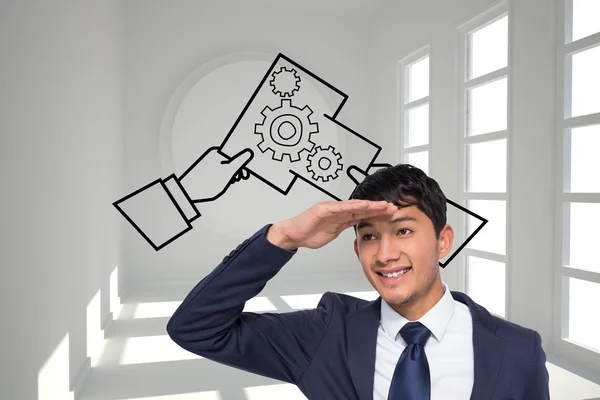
[277, 89]
[331, 170]
[303, 143]
[272, 138]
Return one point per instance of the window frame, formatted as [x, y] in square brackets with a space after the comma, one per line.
[562, 346]
[482, 20]
[402, 94]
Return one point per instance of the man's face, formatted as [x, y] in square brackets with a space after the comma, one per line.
[404, 239]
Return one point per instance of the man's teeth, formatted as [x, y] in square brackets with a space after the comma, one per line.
[395, 274]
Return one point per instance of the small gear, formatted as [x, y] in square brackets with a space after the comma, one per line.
[324, 164]
[286, 130]
[285, 82]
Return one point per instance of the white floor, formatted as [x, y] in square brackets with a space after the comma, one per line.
[140, 362]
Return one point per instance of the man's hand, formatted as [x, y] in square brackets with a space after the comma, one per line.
[323, 222]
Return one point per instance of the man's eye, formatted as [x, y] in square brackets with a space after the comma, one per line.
[404, 229]
[366, 237]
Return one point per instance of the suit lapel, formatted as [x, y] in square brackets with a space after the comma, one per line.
[488, 349]
[361, 333]
[361, 336]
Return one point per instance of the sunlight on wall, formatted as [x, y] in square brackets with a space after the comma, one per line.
[114, 299]
[156, 309]
[308, 301]
[565, 385]
[302, 301]
[274, 392]
[259, 304]
[94, 333]
[167, 308]
[368, 295]
[212, 395]
[152, 349]
[53, 378]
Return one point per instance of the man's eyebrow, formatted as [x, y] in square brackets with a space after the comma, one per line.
[364, 224]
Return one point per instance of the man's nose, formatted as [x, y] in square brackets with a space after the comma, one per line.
[388, 251]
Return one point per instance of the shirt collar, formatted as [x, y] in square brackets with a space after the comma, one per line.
[436, 319]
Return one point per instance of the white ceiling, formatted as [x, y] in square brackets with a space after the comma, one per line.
[357, 8]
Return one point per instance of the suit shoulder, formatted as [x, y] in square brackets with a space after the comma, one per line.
[344, 303]
[522, 339]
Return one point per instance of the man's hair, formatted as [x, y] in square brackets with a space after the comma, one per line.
[405, 185]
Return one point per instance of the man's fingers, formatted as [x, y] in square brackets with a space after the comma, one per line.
[361, 208]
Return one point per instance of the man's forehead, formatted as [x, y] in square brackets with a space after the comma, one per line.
[407, 214]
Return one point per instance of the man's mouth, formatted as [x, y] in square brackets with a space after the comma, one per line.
[395, 274]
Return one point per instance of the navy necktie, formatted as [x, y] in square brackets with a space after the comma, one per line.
[411, 379]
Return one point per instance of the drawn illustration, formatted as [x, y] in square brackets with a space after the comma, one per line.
[283, 134]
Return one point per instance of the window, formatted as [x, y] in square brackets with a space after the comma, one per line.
[484, 135]
[577, 321]
[414, 109]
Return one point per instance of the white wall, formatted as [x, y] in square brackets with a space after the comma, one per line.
[60, 157]
[407, 26]
[164, 45]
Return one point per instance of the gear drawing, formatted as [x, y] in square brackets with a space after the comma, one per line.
[324, 164]
[286, 130]
[285, 82]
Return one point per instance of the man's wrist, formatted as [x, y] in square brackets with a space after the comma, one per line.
[276, 235]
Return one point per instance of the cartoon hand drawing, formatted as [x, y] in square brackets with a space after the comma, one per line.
[172, 199]
[213, 164]
[284, 133]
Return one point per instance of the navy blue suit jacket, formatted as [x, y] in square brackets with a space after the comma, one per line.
[329, 351]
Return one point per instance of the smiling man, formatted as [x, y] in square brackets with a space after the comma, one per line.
[400, 255]
[418, 340]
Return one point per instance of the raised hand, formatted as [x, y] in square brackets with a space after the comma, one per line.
[323, 222]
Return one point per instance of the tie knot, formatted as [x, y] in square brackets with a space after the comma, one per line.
[415, 333]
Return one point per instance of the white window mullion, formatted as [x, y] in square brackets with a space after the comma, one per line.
[484, 137]
[577, 271]
[414, 120]
[417, 103]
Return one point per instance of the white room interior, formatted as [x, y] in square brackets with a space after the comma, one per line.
[496, 100]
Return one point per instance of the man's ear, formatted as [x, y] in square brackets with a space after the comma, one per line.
[445, 241]
[356, 247]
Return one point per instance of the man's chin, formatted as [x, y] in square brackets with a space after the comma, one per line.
[393, 296]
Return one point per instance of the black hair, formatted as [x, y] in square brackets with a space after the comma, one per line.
[405, 185]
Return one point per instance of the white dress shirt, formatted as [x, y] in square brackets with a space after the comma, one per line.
[449, 350]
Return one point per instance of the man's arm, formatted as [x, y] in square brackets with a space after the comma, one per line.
[537, 386]
[210, 321]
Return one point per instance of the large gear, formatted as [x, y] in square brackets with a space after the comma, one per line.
[285, 82]
[286, 130]
[324, 164]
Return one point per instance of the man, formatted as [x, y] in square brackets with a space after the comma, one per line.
[417, 341]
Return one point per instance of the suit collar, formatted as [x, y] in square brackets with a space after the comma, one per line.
[362, 326]
[436, 319]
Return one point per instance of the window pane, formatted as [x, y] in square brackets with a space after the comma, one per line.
[488, 49]
[417, 126]
[585, 220]
[486, 166]
[418, 80]
[486, 283]
[585, 163]
[584, 319]
[419, 160]
[492, 237]
[586, 82]
[586, 14]
[487, 108]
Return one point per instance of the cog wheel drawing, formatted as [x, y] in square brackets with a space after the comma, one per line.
[286, 130]
[285, 82]
[324, 164]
